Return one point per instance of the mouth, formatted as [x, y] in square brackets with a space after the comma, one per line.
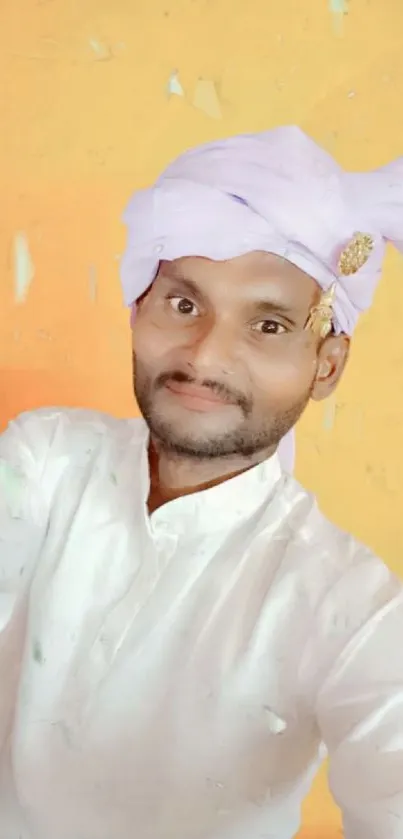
[195, 398]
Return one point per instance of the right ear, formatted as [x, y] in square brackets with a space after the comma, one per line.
[332, 359]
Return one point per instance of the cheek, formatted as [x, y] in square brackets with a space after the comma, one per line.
[285, 375]
[156, 350]
[152, 345]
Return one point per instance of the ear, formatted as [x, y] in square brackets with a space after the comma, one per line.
[332, 359]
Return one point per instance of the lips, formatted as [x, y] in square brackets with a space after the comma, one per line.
[196, 398]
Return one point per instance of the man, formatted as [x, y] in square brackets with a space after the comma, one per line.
[182, 634]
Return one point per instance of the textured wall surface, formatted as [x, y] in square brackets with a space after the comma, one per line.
[86, 117]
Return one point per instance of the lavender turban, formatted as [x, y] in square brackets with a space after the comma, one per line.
[278, 192]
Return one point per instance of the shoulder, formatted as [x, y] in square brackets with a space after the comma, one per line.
[347, 586]
[347, 604]
[317, 531]
[339, 571]
[34, 436]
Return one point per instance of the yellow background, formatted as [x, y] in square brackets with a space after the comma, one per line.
[85, 119]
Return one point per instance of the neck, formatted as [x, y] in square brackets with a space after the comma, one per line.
[173, 476]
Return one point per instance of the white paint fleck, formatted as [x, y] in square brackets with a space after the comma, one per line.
[329, 413]
[206, 99]
[174, 87]
[93, 283]
[102, 51]
[351, 94]
[24, 270]
[338, 8]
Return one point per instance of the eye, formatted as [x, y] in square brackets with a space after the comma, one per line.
[269, 327]
[183, 306]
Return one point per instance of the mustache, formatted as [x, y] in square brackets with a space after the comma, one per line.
[219, 389]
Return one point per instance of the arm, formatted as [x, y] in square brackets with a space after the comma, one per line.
[23, 521]
[359, 704]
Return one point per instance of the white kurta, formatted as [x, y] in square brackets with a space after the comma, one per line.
[174, 676]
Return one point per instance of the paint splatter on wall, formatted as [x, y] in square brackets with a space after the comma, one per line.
[205, 98]
[338, 8]
[24, 270]
[174, 87]
[102, 51]
[93, 283]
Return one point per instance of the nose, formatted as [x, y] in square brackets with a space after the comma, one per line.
[213, 351]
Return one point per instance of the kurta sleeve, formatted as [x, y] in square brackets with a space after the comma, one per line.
[359, 704]
[23, 522]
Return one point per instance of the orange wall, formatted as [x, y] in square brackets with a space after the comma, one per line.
[86, 119]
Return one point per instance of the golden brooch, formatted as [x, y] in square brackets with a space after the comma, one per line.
[355, 254]
[321, 316]
[353, 257]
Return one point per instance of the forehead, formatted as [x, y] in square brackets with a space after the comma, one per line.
[245, 279]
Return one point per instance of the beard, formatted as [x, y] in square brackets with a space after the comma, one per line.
[250, 437]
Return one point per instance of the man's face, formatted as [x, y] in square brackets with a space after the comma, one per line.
[223, 365]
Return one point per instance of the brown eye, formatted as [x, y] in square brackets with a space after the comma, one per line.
[269, 327]
[183, 306]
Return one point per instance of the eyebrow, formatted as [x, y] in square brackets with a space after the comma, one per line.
[275, 307]
[188, 285]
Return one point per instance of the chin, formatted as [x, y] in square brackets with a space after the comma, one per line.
[180, 424]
